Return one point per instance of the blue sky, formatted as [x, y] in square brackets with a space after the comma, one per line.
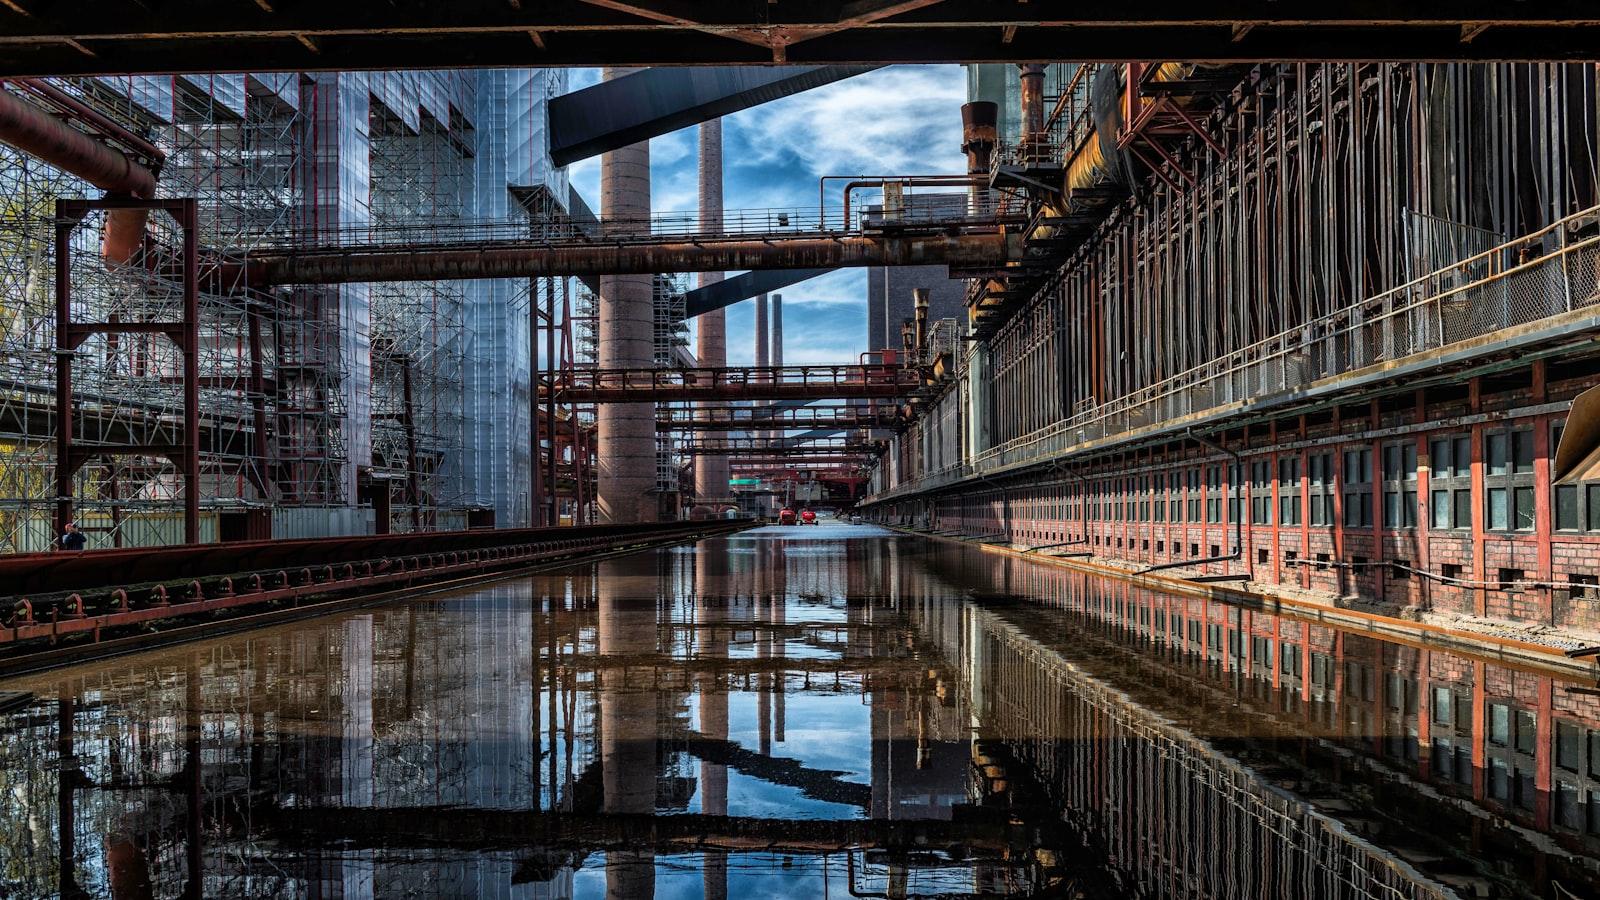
[898, 120]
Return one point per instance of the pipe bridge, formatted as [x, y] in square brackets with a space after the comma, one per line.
[798, 238]
[653, 385]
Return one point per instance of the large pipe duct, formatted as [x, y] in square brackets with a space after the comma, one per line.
[400, 263]
[50, 140]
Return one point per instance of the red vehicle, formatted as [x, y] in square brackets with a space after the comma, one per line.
[808, 518]
[786, 516]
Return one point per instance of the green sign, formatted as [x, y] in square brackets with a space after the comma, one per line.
[744, 481]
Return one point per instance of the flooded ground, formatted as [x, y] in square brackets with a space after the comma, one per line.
[801, 712]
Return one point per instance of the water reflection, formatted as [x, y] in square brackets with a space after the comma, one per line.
[795, 712]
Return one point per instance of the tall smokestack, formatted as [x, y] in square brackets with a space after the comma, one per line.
[762, 359]
[711, 473]
[626, 431]
[761, 331]
[777, 329]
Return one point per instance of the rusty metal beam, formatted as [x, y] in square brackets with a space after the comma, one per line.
[401, 262]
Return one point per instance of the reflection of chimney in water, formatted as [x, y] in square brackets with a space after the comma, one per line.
[712, 589]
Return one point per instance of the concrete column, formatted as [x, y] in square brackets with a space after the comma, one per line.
[711, 337]
[626, 431]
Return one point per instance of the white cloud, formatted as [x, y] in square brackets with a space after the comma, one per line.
[901, 119]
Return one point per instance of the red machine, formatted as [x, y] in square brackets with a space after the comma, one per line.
[808, 518]
[786, 516]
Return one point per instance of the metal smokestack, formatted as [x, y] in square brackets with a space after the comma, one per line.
[919, 298]
[979, 134]
[1032, 119]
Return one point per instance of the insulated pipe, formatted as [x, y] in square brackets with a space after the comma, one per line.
[51, 141]
[400, 263]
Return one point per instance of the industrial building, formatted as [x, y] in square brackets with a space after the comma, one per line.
[397, 497]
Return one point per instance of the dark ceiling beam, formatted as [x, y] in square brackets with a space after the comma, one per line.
[114, 36]
[659, 101]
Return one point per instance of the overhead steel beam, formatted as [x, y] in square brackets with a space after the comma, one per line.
[739, 288]
[653, 102]
[118, 37]
[400, 262]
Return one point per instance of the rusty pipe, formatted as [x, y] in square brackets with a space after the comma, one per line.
[908, 181]
[98, 121]
[52, 141]
[400, 263]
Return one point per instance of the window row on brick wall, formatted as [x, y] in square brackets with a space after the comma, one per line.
[1357, 486]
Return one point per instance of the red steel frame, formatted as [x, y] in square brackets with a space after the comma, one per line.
[185, 333]
[560, 364]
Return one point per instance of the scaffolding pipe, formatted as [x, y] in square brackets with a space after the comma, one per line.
[400, 263]
[53, 142]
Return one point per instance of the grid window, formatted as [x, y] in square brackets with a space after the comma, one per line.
[1400, 485]
[1319, 470]
[1358, 488]
[1450, 482]
[1261, 492]
[1289, 490]
[1508, 480]
[1577, 506]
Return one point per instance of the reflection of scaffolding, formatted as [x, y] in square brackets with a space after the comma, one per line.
[230, 141]
[419, 174]
[671, 349]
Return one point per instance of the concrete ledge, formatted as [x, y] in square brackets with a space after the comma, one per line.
[1527, 655]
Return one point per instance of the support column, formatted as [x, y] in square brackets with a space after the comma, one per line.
[711, 473]
[626, 431]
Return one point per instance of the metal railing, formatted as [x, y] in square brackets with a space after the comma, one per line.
[1547, 273]
[932, 211]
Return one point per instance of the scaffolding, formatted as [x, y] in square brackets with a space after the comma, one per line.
[231, 142]
[420, 174]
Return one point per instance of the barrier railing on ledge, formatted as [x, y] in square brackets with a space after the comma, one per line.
[1539, 276]
[59, 607]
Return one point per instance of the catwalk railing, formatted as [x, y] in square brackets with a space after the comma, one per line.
[1541, 277]
[932, 212]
